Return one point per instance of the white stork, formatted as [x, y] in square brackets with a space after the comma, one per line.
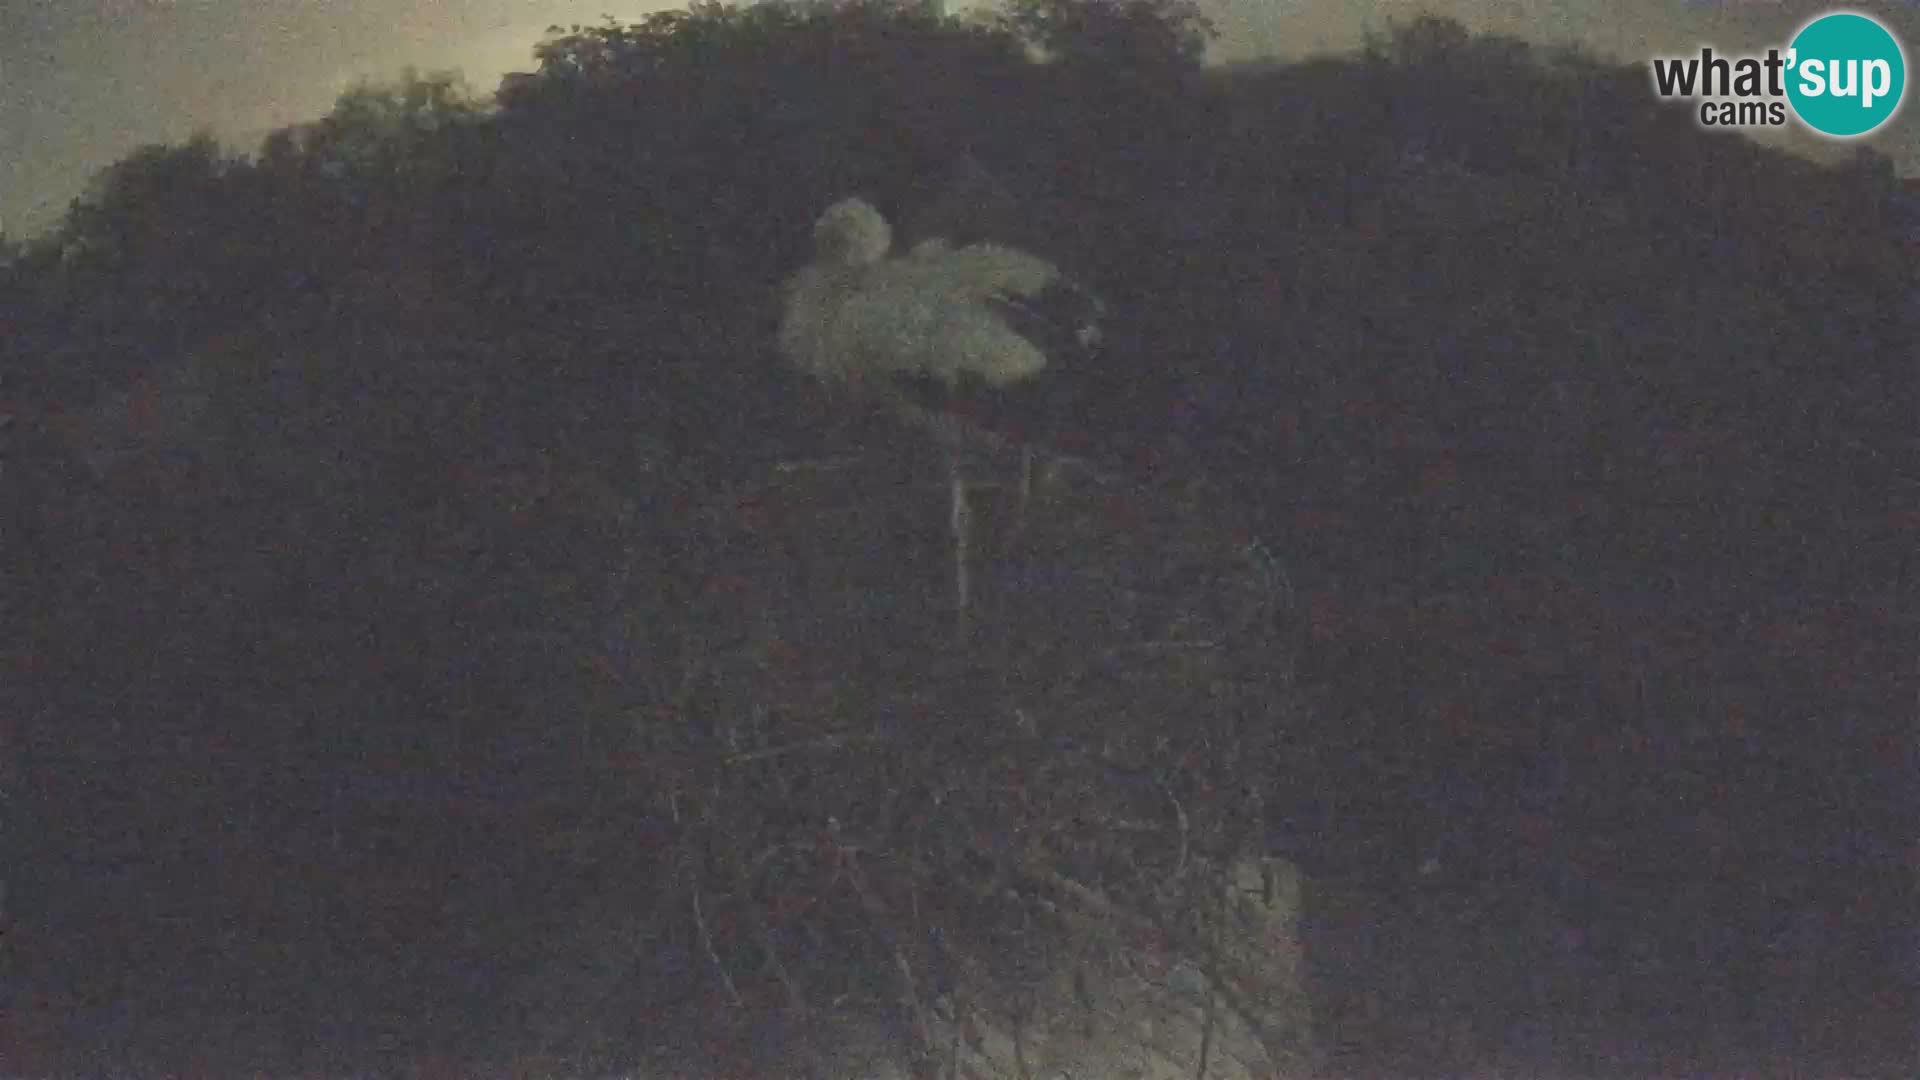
[938, 317]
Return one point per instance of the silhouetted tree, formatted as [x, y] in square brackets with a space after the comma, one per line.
[1581, 432]
[393, 130]
[1135, 40]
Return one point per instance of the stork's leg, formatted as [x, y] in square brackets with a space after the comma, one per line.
[1023, 494]
[1026, 482]
[961, 522]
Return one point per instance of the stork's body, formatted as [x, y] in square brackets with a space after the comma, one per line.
[936, 315]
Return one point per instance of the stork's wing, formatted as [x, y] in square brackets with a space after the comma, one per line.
[984, 272]
[1060, 319]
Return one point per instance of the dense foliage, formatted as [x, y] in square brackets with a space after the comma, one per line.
[374, 492]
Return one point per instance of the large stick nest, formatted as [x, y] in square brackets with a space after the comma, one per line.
[855, 838]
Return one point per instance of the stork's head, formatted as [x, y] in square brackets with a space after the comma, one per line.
[852, 233]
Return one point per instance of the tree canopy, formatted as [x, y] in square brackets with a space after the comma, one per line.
[428, 520]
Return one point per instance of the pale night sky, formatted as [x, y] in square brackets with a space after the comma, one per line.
[84, 81]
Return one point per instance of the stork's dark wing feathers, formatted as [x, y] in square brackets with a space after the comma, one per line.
[1063, 320]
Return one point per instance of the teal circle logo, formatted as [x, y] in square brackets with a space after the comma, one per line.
[1846, 74]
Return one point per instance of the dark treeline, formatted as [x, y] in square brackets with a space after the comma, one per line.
[351, 478]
